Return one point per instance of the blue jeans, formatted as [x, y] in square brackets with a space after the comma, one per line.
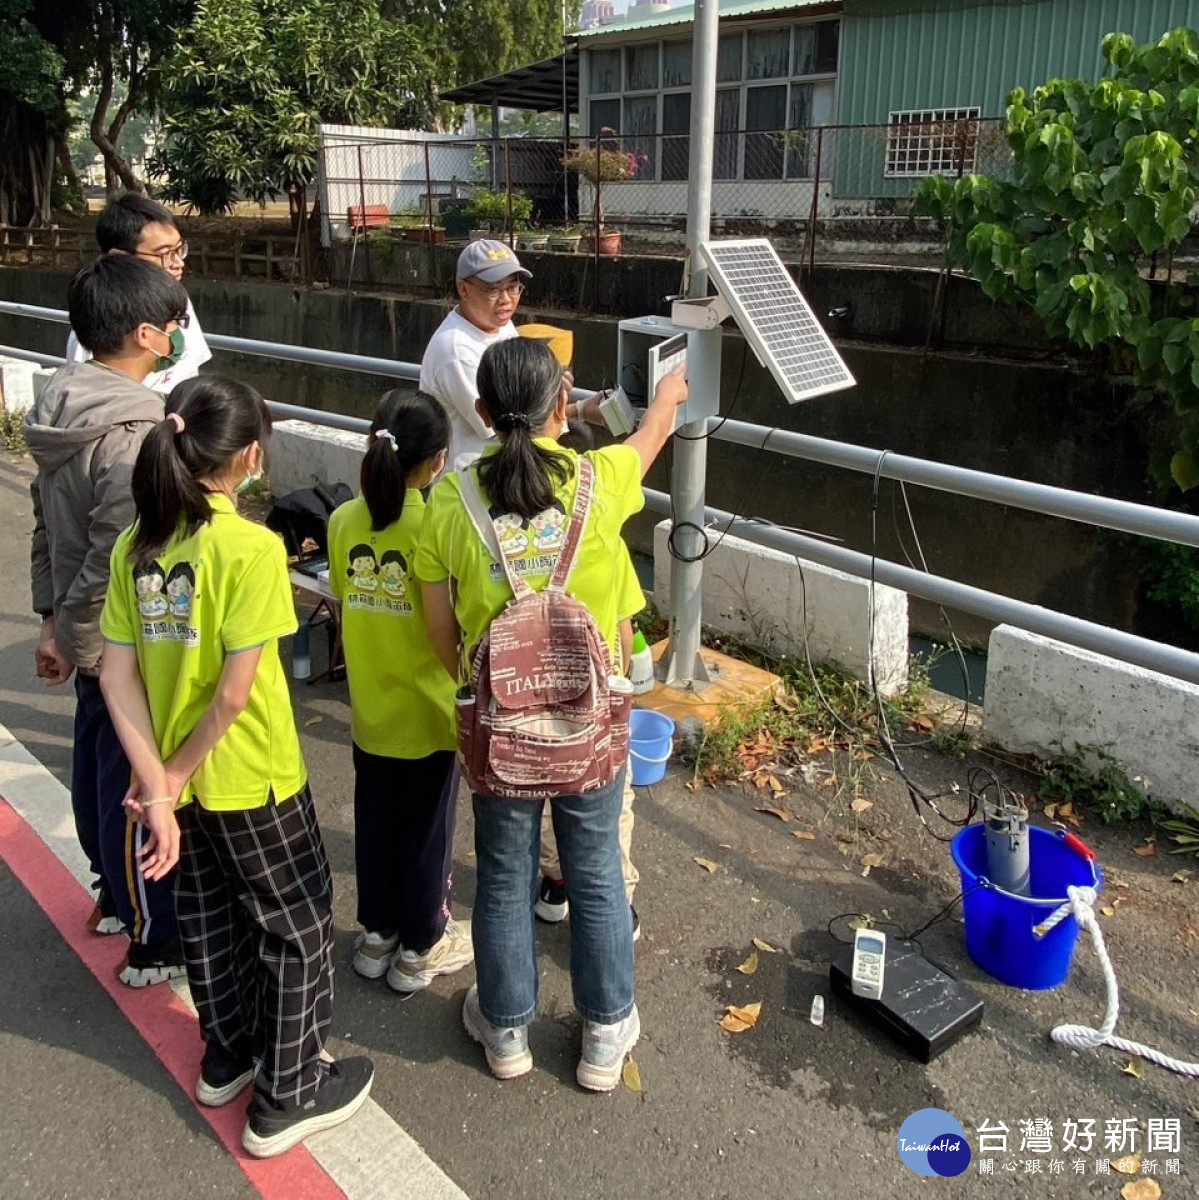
[507, 839]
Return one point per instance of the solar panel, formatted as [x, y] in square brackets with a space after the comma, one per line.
[775, 318]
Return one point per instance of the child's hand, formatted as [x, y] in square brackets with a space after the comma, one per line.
[161, 851]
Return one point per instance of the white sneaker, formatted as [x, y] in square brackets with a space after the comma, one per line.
[373, 953]
[412, 972]
[507, 1048]
[604, 1050]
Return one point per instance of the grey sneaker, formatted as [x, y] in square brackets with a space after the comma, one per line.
[411, 972]
[604, 1051]
[507, 1049]
[373, 953]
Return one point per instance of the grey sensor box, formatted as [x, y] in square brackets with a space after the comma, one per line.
[921, 1007]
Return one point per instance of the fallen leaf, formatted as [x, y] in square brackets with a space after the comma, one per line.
[747, 1012]
[864, 921]
[1067, 809]
[731, 1024]
[818, 745]
[750, 965]
[886, 915]
[1180, 877]
[765, 947]
[922, 723]
[707, 864]
[1050, 811]
[631, 1074]
[861, 805]
[1130, 1164]
[869, 861]
[803, 835]
[786, 702]
[313, 721]
[1149, 850]
[774, 784]
[774, 812]
[689, 785]
[1141, 1189]
[1134, 1067]
[1108, 911]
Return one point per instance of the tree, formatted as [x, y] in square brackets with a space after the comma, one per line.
[1105, 178]
[250, 81]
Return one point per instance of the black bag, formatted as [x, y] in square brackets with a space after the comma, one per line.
[304, 515]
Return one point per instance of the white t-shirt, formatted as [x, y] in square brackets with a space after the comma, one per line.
[195, 354]
[448, 372]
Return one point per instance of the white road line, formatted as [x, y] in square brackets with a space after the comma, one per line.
[370, 1157]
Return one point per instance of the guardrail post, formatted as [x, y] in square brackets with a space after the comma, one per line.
[815, 203]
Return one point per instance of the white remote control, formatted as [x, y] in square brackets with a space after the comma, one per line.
[869, 955]
[618, 413]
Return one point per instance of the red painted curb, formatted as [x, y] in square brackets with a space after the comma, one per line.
[162, 1019]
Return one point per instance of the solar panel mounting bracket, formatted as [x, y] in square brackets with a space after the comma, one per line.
[704, 313]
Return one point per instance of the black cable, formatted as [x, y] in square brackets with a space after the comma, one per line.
[703, 437]
[912, 938]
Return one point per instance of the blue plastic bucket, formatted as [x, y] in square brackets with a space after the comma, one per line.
[999, 924]
[650, 743]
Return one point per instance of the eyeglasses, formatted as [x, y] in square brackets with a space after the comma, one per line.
[178, 253]
[513, 290]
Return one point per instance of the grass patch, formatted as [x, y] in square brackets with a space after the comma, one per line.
[12, 432]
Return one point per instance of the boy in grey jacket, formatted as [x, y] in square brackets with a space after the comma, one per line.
[84, 432]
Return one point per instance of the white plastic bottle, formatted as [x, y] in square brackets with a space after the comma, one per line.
[641, 665]
[301, 654]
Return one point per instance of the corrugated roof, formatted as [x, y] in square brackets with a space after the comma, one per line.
[684, 14]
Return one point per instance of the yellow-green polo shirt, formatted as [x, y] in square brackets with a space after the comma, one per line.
[452, 549]
[402, 701]
[222, 590]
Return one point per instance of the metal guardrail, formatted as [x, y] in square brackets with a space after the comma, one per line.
[1141, 519]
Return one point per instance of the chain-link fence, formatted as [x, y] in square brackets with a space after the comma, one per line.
[829, 193]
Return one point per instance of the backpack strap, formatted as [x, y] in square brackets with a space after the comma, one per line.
[480, 518]
[578, 522]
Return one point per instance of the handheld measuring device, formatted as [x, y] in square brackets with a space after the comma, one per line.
[618, 413]
[869, 957]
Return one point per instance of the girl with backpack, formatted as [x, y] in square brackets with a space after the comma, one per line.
[402, 704]
[526, 482]
[201, 705]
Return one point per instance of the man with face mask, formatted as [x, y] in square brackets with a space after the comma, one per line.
[143, 228]
[85, 431]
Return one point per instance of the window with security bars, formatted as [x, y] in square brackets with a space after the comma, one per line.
[935, 141]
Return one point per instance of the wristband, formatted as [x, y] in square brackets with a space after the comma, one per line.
[152, 803]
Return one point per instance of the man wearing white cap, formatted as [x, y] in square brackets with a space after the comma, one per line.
[489, 286]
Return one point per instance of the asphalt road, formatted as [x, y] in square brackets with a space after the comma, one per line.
[783, 1110]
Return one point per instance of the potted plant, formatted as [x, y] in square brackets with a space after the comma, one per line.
[490, 209]
[532, 241]
[597, 165]
[566, 241]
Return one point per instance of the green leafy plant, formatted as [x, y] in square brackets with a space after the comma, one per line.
[1184, 831]
[1090, 779]
[1105, 176]
[12, 432]
[486, 205]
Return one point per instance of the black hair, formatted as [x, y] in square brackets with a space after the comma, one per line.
[519, 382]
[144, 569]
[362, 550]
[109, 298]
[220, 417]
[421, 429]
[120, 225]
[390, 556]
[182, 570]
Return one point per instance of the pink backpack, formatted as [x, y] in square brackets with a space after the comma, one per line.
[543, 714]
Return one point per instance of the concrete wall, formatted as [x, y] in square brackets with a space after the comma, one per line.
[1044, 697]
[301, 453]
[1044, 420]
[796, 607]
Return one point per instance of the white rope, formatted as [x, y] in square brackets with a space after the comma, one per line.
[1081, 904]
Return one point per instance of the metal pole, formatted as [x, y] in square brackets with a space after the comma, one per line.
[815, 206]
[684, 665]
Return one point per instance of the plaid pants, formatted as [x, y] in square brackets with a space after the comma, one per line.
[254, 901]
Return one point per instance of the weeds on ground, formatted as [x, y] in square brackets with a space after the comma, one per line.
[1091, 780]
[1184, 831]
[12, 432]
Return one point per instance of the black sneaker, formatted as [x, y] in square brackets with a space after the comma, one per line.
[270, 1130]
[636, 924]
[223, 1076]
[551, 905]
[156, 962]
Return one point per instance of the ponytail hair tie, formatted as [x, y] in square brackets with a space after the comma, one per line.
[506, 422]
[176, 420]
[391, 437]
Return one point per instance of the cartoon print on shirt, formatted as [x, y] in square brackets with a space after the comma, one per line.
[549, 527]
[512, 533]
[363, 569]
[148, 582]
[393, 571]
[181, 588]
